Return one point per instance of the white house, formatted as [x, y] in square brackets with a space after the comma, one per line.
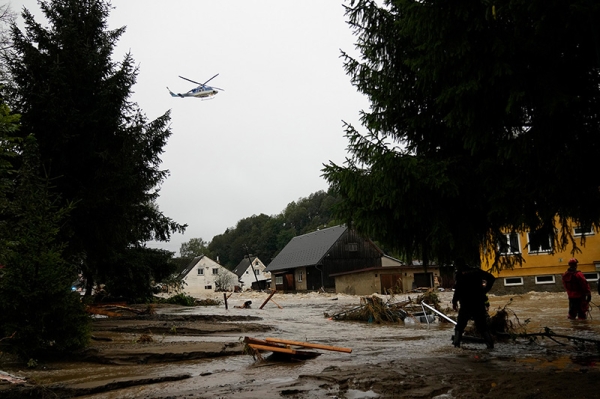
[205, 276]
[250, 271]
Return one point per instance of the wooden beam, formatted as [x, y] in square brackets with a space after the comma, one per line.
[280, 307]
[267, 300]
[309, 345]
[272, 348]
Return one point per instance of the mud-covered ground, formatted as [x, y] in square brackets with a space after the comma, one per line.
[198, 353]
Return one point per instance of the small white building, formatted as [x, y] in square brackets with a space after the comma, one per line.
[204, 276]
[251, 271]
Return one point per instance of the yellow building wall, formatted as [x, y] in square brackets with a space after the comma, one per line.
[536, 264]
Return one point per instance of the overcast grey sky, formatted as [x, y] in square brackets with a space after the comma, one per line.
[262, 142]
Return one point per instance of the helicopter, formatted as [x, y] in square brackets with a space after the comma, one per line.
[202, 91]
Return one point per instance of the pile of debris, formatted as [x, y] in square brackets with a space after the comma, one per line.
[373, 309]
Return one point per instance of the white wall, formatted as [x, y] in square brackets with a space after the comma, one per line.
[203, 283]
[248, 278]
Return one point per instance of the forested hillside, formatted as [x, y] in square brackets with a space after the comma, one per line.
[263, 235]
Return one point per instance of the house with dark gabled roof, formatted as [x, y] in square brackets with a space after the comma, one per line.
[308, 261]
[204, 276]
[251, 273]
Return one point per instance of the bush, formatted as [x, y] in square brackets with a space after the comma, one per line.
[181, 299]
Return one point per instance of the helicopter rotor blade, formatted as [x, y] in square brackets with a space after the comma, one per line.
[216, 88]
[190, 80]
[210, 80]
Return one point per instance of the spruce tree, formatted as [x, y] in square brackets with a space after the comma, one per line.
[38, 310]
[97, 147]
[483, 120]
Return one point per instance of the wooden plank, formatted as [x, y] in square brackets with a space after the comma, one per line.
[257, 341]
[309, 345]
[273, 348]
[265, 302]
[279, 306]
[101, 311]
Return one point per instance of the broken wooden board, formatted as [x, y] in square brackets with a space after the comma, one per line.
[272, 348]
[267, 300]
[97, 310]
[308, 345]
[279, 349]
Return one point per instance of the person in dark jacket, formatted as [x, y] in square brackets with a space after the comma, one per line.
[578, 291]
[470, 291]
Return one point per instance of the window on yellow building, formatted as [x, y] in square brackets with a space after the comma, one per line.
[539, 242]
[591, 276]
[549, 279]
[508, 281]
[510, 245]
[581, 230]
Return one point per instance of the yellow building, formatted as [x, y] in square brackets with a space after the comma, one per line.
[543, 266]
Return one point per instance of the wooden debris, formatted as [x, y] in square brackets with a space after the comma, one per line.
[279, 306]
[308, 345]
[12, 379]
[100, 310]
[269, 298]
[288, 347]
[117, 309]
[272, 348]
[374, 310]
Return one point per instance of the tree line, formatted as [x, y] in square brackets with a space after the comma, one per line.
[264, 236]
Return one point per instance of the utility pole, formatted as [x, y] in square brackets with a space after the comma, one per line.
[251, 265]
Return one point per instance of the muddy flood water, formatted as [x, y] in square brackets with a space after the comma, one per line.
[303, 317]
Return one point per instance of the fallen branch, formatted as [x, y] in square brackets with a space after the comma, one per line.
[9, 337]
[551, 335]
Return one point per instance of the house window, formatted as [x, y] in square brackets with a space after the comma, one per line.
[591, 276]
[352, 247]
[208, 287]
[545, 279]
[539, 242]
[510, 245]
[508, 281]
[216, 270]
[300, 276]
[279, 280]
[581, 230]
[257, 272]
[200, 272]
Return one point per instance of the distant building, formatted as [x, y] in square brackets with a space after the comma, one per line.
[309, 261]
[203, 276]
[251, 271]
[393, 276]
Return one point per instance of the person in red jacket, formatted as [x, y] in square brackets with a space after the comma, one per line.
[578, 291]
